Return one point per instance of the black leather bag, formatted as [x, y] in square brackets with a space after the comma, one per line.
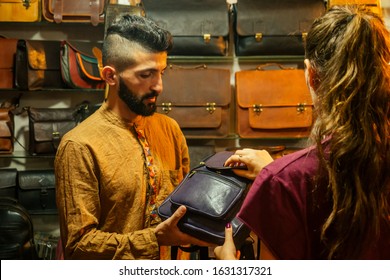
[269, 27]
[36, 191]
[17, 234]
[8, 182]
[213, 195]
[198, 27]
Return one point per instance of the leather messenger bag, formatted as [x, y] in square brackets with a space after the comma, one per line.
[198, 27]
[58, 11]
[213, 195]
[268, 27]
[198, 98]
[273, 102]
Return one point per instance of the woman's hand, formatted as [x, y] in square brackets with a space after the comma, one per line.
[228, 250]
[254, 160]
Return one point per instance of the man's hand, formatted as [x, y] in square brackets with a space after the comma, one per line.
[169, 234]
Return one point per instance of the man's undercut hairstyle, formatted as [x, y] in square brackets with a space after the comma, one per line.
[132, 32]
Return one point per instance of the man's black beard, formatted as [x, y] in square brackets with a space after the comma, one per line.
[135, 104]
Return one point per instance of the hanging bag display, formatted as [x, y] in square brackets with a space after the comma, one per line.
[213, 195]
[269, 27]
[198, 98]
[198, 27]
[273, 101]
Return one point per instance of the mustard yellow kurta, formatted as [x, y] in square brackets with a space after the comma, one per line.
[102, 182]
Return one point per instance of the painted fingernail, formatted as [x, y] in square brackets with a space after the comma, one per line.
[228, 225]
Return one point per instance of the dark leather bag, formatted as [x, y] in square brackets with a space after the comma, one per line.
[7, 62]
[198, 27]
[17, 232]
[269, 27]
[7, 130]
[48, 125]
[198, 98]
[80, 68]
[38, 65]
[273, 101]
[8, 182]
[213, 195]
[36, 191]
[74, 11]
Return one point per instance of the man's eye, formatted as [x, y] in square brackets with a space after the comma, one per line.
[145, 75]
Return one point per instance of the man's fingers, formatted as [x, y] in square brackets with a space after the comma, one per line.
[178, 214]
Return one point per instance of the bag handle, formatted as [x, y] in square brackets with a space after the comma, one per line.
[282, 67]
[175, 66]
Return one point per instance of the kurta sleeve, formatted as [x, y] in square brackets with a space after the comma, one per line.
[80, 210]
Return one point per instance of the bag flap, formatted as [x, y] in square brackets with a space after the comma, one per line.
[8, 177]
[43, 55]
[196, 86]
[7, 53]
[48, 131]
[52, 114]
[209, 193]
[83, 47]
[286, 17]
[188, 17]
[36, 179]
[88, 66]
[193, 117]
[76, 7]
[272, 88]
[275, 99]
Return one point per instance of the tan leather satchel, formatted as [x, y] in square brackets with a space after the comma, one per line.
[373, 5]
[73, 11]
[20, 10]
[198, 98]
[7, 62]
[273, 103]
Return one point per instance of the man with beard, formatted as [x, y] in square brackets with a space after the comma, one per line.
[116, 167]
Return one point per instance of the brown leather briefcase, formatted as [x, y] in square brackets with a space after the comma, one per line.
[198, 98]
[273, 103]
[73, 11]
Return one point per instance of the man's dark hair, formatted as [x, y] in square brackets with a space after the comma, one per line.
[130, 32]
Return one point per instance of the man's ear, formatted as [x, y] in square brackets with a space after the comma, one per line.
[311, 75]
[109, 75]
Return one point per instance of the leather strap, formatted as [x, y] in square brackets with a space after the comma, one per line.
[58, 11]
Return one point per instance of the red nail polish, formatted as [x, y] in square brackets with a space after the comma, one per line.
[228, 225]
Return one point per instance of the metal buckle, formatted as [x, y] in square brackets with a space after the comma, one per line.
[207, 38]
[257, 108]
[301, 107]
[166, 107]
[211, 107]
[258, 37]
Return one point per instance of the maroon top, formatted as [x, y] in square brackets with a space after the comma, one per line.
[286, 212]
